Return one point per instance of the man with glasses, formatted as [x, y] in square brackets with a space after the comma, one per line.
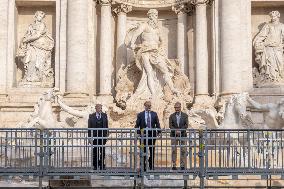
[149, 126]
[178, 123]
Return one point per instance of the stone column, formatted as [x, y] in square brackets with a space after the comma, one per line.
[231, 66]
[182, 10]
[246, 45]
[77, 46]
[121, 51]
[3, 44]
[201, 51]
[105, 48]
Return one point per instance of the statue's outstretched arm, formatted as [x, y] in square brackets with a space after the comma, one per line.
[258, 105]
[136, 33]
[70, 110]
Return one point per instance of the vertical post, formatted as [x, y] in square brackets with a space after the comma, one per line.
[142, 157]
[41, 155]
[201, 159]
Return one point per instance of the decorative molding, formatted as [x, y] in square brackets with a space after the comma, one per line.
[151, 3]
[185, 8]
[122, 8]
[201, 2]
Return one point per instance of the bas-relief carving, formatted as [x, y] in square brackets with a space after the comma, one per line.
[35, 52]
[269, 53]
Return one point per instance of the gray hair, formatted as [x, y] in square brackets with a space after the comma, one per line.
[277, 13]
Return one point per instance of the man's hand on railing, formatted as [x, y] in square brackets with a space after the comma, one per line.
[90, 141]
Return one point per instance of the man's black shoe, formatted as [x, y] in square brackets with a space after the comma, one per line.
[174, 168]
[182, 168]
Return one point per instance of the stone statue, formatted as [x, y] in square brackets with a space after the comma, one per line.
[273, 113]
[84, 114]
[42, 117]
[234, 115]
[149, 56]
[151, 76]
[35, 53]
[268, 45]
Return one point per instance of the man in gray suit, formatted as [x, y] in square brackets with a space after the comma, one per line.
[178, 123]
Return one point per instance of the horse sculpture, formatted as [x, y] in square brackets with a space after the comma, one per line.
[235, 115]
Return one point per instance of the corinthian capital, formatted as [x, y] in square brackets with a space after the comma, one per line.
[182, 8]
[122, 8]
[104, 2]
[201, 2]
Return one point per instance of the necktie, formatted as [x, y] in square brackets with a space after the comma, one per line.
[178, 118]
[148, 120]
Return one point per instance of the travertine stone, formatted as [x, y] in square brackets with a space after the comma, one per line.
[273, 113]
[201, 52]
[182, 10]
[230, 46]
[77, 46]
[246, 38]
[3, 44]
[121, 51]
[105, 48]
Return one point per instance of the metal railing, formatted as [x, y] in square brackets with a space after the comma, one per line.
[185, 155]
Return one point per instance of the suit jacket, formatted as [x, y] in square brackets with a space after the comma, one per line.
[155, 124]
[182, 125]
[92, 123]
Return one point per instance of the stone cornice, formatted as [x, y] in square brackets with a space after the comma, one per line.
[183, 8]
[122, 8]
[151, 3]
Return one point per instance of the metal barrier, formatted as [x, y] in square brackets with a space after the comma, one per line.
[153, 154]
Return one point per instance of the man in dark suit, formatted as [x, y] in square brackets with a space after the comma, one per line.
[178, 123]
[98, 137]
[148, 120]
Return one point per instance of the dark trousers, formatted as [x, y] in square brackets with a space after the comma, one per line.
[150, 154]
[99, 156]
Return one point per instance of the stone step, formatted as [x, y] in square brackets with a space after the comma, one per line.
[70, 181]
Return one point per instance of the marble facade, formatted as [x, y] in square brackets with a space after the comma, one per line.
[210, 40]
